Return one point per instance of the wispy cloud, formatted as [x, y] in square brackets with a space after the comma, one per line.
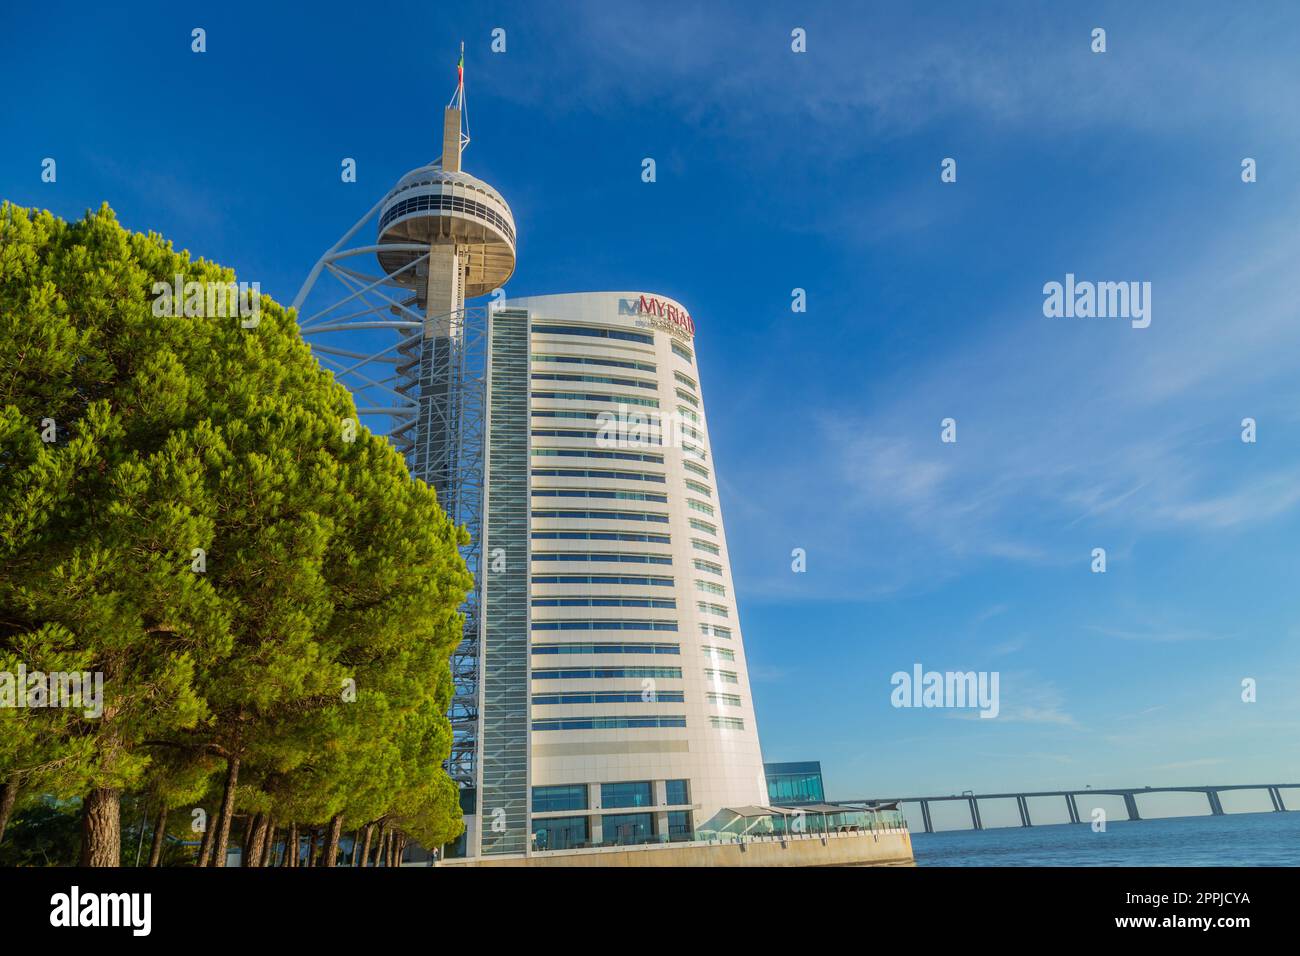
[1156, 635]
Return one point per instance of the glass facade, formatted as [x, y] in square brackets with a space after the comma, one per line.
[795, 783]
[639, 794]
[628, 828]
[563, 797]
[561, 833]
[679, 792]
[504, 731]
[679, 825]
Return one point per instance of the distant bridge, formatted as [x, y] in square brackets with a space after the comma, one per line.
[1129, 794]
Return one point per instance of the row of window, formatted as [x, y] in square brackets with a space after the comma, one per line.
[619, 625]
[599, 515]
[606, 723]
[606, 673]
[628, 697]
[595, 380]
[575, 433]
[666, 603]
[706, 630]
[594, 332]
[691, 484]
[629, 723]
[601, 493]
[621, 829]
[688, 397]
[603, 536]
[622, 647]
[632, 673]
[711, 566]
[595, 473]
[602, 579]
[602, 515]
[613, 796]
[609, 333]
[449, 202]
[599, 397]
[615, 697]
[710, 587]
[649, 432]
[704, 607]
[729, 700]
[596, 453]
[610, 648]
[612, 557]
[590, 360]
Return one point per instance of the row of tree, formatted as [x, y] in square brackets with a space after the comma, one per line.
[188, 509]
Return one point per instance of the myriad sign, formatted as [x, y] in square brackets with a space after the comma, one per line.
[662, 315]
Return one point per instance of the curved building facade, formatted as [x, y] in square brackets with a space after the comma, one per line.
[616, 698]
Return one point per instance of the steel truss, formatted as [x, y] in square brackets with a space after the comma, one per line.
[428, 397]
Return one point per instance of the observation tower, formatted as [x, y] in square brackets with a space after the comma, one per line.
[395, 330]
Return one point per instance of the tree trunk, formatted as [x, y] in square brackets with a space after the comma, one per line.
[311, 848]
[332, 841]
[227, 811]
[268, 849]
[159, 836]
[291, 847]
[253, 844]
[205, 845]
[364, 858]
[101, 828]
[8, 797]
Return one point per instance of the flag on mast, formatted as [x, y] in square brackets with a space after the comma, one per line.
[460, 67]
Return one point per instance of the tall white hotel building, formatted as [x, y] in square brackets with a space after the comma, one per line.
[615, 690]
[602, 693]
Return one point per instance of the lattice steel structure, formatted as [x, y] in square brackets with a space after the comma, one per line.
[396, 332]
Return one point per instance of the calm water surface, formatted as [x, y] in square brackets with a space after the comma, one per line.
[1238, 839]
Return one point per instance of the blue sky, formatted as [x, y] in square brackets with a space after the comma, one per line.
[821, 171]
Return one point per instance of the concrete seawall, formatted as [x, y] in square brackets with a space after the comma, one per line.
[878, 848]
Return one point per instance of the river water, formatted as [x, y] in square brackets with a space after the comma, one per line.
[1235, 839]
